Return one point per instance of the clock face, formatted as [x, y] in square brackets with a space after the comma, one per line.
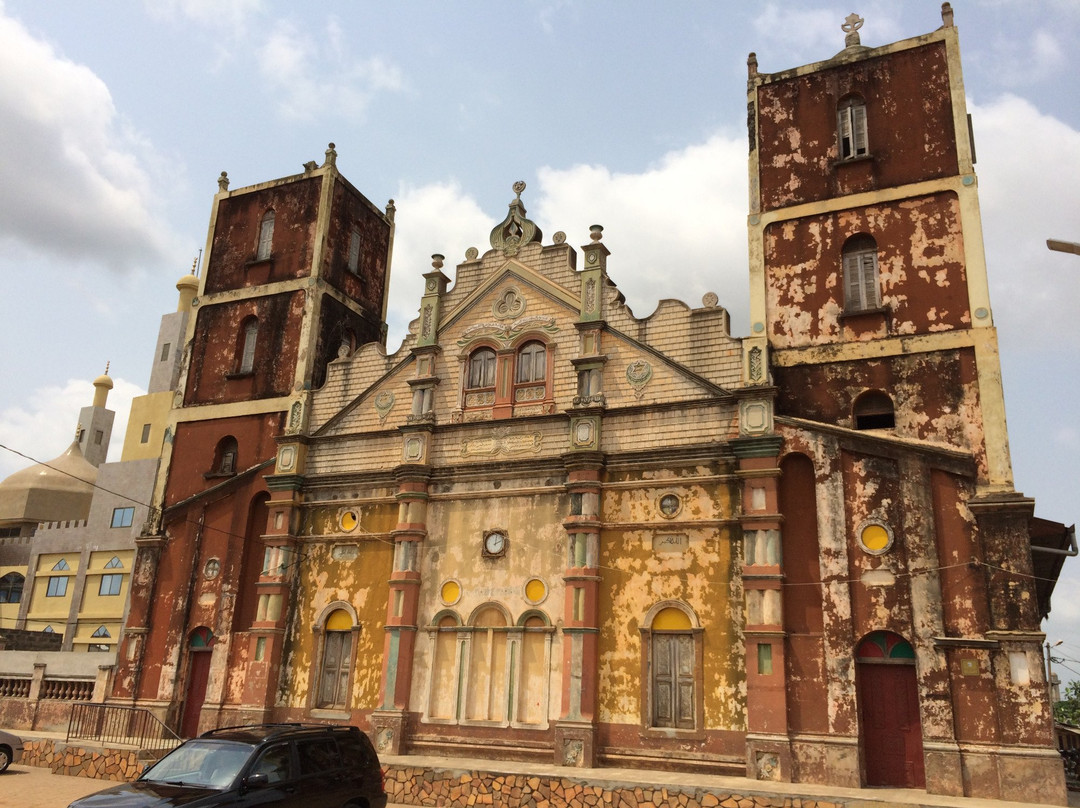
[494, 543]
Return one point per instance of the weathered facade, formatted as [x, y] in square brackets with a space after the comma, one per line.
[545, 528]
[295, 273]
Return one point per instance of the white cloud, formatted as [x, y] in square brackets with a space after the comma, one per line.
[1027, 165]
[309, 77]
[225, 17]
[683, 219]
[74, 178]
[437, 218]
[42, 425]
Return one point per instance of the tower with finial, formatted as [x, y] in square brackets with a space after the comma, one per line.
[870, 301]
[294, 269]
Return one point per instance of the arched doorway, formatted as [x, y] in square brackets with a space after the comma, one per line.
[890, 729]
[200, 645]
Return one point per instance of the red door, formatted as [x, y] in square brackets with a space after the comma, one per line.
[890, 726]
[198, 676]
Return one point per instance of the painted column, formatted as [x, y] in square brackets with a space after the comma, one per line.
[575, 730]
[275, 584]
[768, 751]
[132, 646]
[389, 721]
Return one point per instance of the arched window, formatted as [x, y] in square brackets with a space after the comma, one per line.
[851, 128]
[672, 662]
[873, 410]
[245, 354]
[114, 564]
[354, 250]
[11, 587]
[61, 565]
[481, 369]
[860, 268]
[486, 699]
[444, 682]
[225, 456]
[335, 661]
[266, 236]
[532, 363]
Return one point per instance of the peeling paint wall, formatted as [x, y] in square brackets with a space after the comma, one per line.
[922, 278]
[797, 127]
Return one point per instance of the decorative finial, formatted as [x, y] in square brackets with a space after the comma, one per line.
[852, 23]
[515, 231]
[751, 64]
[559, 237]
[391, 209]
[310, 166]
[596, 232]
[437, 260]
[331, 155]
[946, 14]
[223, 181]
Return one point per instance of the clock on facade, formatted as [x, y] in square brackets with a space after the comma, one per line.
[494, 544]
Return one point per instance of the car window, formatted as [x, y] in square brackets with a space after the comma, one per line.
[355, 753]
[318, 755]
[276, 763]
[201, 763]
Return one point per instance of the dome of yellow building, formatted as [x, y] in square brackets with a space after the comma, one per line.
[55, 491]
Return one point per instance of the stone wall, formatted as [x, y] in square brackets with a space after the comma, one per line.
[458, 789]
[78, 761]
[451, 788]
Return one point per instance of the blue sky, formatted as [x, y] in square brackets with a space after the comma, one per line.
[117, 117]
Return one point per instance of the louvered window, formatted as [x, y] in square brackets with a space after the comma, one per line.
[851, 128]
[861, 274]
[266, 236]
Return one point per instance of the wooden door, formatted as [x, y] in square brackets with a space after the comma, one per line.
[198, 676]
[890, 728]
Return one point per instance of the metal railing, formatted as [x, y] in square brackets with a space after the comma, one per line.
[130, 726]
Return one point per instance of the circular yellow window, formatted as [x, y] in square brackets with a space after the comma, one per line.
[349, 520]
[875, 538]
[450, 592]
[535, 591]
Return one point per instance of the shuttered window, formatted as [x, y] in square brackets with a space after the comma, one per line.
[851, 128]
[861, 274]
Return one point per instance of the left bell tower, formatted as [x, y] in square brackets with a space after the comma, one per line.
[296, 270]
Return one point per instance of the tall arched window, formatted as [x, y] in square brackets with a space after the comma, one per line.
[11, 587]
[266, 236]
[335, 660]
[249, 335]
[354, 250]
[481, 369]
[860, 273]
[851, 128]
[486, 699]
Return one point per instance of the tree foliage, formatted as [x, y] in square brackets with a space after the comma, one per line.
[1067, 711]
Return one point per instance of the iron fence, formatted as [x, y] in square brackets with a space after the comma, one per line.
[129, 726]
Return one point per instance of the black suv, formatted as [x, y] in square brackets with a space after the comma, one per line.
[313, 765]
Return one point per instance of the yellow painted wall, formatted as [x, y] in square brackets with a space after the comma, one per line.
[45, 611]
[635, 576]
[153, 409]
[360, 581]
